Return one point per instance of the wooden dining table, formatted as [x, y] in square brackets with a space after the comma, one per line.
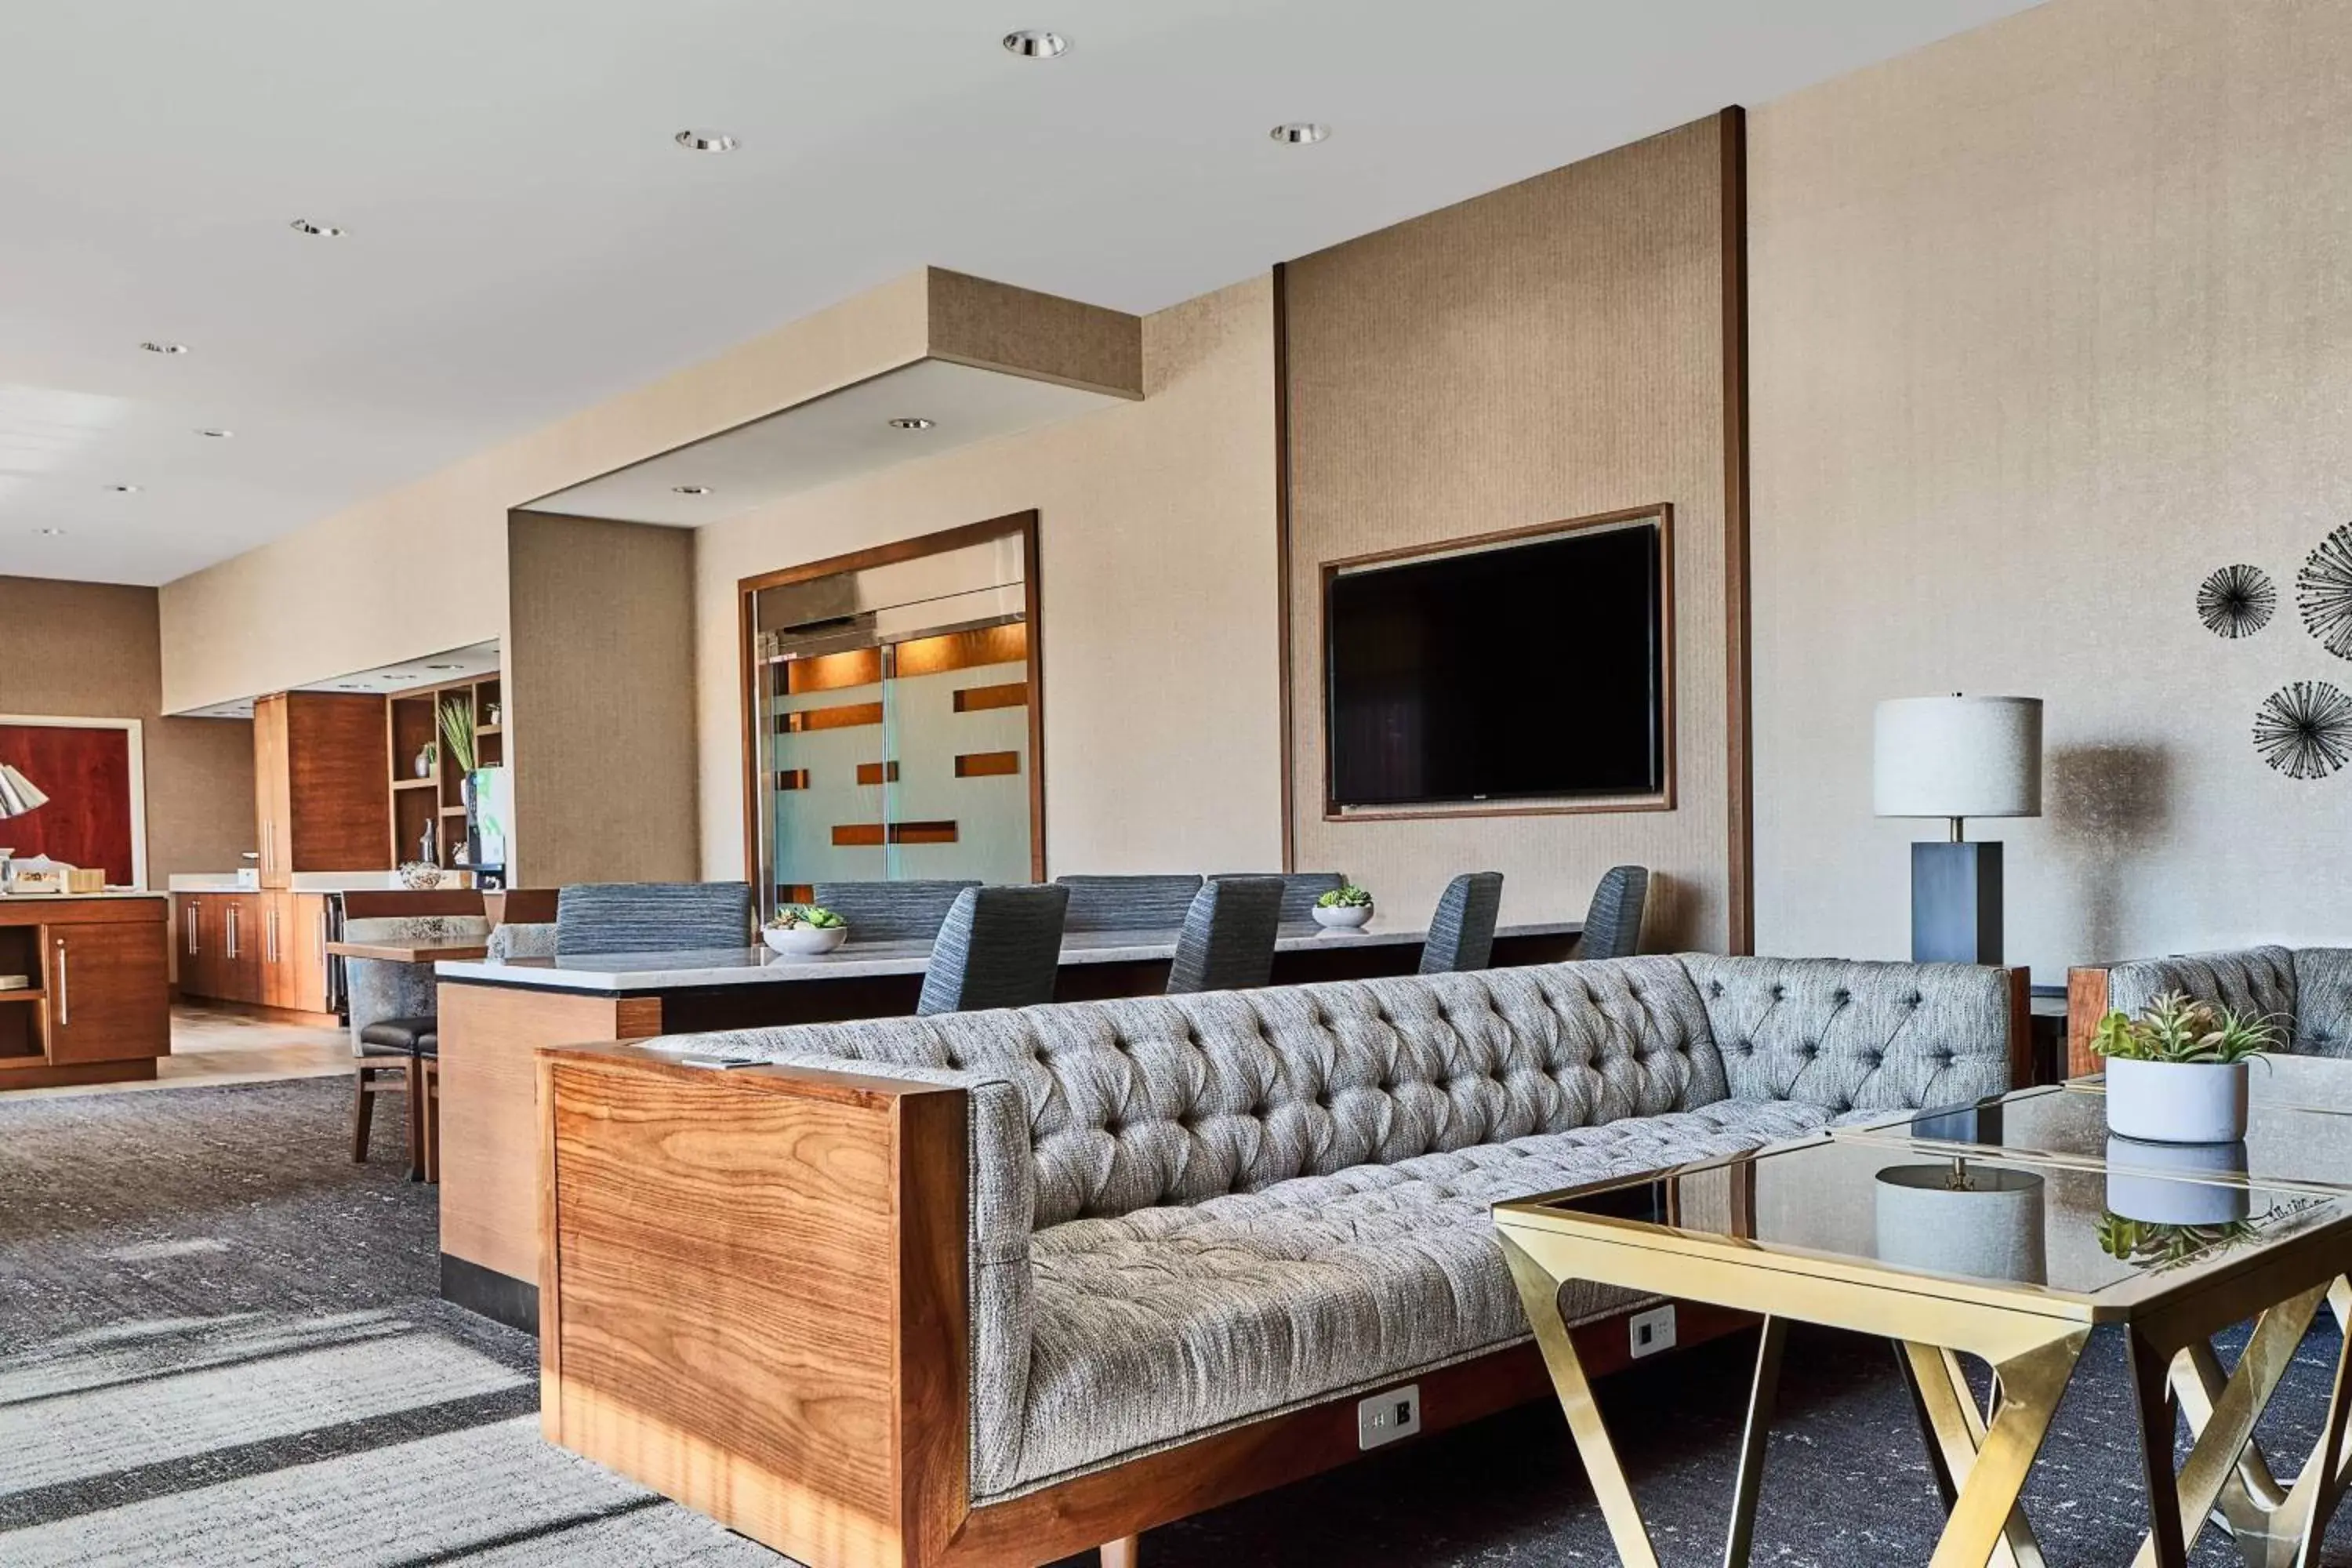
[411, 951]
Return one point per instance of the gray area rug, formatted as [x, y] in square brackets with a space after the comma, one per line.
[220, 1344]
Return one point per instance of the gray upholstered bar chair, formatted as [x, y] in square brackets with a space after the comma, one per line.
[1300, 890]
[1612, 926]
[1227, 943]
[890, 911]
[1129, 903]
[395, 1038]
[651, 917]
[999, 947]
[1462, 931]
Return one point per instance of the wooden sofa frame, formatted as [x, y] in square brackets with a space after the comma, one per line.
[752, 1299]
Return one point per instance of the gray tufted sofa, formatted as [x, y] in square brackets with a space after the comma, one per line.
[2306, 990]
[1190, 1213]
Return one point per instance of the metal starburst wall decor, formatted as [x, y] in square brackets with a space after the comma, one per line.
[2305, 731]
[2322, 593]
[2236, 600]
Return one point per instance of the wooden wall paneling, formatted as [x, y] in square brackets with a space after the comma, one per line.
[1006, 644]
[1740, 758]
[833, 671]
[86, 773]
[977, 699]
[337, 792]
[987, 764]
[837, 716]
[871, 834]
[791, 778]
[877, 772]
[2086, 1004]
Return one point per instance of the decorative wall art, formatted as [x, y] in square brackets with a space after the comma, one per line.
[2322, 593]
[2305, 730]
[2236, 600]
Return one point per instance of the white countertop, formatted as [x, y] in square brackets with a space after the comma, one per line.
[303, 882]
[75, 898]
[856, 960]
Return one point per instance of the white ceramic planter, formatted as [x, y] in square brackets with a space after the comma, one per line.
[803, 942]
[2177, 1102]
[1343, 917]
[2170, 1183]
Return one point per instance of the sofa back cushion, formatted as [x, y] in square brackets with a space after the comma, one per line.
[1856, 1035]
[1170, 1099]
[2256, 980]
[2322, 1001]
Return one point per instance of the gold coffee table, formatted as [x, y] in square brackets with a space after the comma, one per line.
[2014, 1265]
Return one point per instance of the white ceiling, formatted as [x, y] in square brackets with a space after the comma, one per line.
[825, 440]
[469, 663]
[526, 240]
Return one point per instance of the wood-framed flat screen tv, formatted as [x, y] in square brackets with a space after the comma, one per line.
[1531, 666]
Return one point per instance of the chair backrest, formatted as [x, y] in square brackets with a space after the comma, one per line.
[651, 917]
[1612, 927]
[1129, 903]
[890, 911]
[1300, 890]
[379, 988]
[999, 947]
[1462, 931]
[522, 938]
[1227, 943]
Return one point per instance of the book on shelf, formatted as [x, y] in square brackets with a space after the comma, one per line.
[15, 982]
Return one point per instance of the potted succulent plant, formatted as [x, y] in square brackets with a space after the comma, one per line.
[2177, 1074]
[1346, 908]
[805, 929]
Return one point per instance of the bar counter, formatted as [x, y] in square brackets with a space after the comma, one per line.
[494, 1017]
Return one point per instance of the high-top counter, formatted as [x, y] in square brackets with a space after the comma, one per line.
[495, 1016]
[98, 1009]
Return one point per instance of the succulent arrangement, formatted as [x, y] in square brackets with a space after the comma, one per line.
[2172, 1028]
[1350, 896]
[815, 916]
[2146, 1246]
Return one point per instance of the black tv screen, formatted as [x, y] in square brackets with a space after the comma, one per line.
[1515, 671]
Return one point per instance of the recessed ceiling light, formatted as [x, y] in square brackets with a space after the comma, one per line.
[400, 677]
[691, 489]
[1300, 133]
[440, 666]
[163, 346]
[317, 230]
[1032, 44]
[911, 424]
[349, 686]
[216, 435]
[50, 533]
[705, 141]
[124, 490]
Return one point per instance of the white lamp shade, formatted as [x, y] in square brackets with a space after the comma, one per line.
[18, 794]
[1958, 756]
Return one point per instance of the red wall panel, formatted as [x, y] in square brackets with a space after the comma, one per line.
[86, 773]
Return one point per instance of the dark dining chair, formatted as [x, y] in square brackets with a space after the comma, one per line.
[999, 947]
[651, 917]
[1129, 903]
[1612, 927]
[1300, 890]
[395, 1030]
[890, 912]
[1227, 943]
[1462, 931]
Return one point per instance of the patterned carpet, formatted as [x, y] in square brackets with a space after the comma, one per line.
[219, 1344]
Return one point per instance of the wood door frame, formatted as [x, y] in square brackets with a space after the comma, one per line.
[1022, 524]
[1660, 799]
[135, 729]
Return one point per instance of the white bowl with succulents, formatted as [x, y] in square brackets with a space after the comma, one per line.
[805, 930]
[1348, 908]
[2178, 1073]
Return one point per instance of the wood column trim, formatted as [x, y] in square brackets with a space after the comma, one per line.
[1739, 763]
[2086, 1004]
[1282, 557]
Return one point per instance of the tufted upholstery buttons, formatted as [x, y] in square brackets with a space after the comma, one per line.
[1913, 1000]
[1779, 993]
[1841, 995]
[1714, 987]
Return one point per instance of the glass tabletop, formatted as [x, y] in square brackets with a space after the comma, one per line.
[2285, 1144]
[2310, 1082]
[2082, 1231]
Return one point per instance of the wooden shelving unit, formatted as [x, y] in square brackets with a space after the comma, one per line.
[435, 797]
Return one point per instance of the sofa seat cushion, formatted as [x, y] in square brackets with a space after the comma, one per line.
[1164, 1323]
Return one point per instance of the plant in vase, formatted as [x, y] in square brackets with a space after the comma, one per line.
[2147, 1246]
[2177, 1074]
[805, 929]
[1345, 908]
[456, 719]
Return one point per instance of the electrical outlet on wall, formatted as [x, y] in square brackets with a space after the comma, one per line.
[1387, 1416]
[1652, 1332]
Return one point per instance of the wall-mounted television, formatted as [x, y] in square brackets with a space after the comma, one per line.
[1525, 666]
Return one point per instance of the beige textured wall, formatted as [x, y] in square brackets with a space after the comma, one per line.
[1549, 351]
[599, 695]
[382, 581]
[2049, 320]
[1157, 572]
[88, 651]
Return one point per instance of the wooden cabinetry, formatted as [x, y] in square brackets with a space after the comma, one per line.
[319, 792]
[434, 799]
[264, 949]
[99, 1005]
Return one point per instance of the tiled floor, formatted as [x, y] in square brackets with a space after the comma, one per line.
[216, 1045]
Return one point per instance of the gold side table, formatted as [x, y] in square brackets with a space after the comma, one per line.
[2014, 1262]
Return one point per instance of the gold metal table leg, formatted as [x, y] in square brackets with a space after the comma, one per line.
[1958, 1435]
[1753, 1439]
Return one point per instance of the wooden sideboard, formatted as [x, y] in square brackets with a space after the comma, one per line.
[261, 947]
[99, 1009]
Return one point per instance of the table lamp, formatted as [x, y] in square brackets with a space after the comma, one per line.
[1957, 757]
[18, 794]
